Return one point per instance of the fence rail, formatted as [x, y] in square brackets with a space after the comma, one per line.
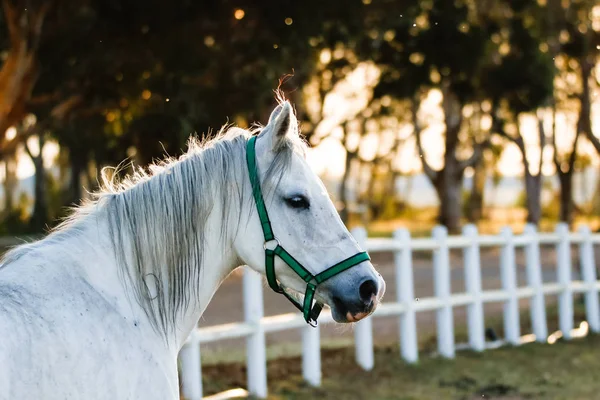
[255, 325]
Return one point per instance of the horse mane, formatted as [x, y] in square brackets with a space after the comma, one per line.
[156, 217]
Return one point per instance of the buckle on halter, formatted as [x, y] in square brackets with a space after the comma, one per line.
[313, 322]
[265, 247]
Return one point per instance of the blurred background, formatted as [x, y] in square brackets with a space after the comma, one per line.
[417, 112]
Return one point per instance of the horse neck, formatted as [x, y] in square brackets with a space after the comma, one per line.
[219, 261]
[152, 253]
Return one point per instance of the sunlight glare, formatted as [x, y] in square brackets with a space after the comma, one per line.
[239, 14]
[25, 167]
[325, 56]
[10, 133]
[33, 145]
[328, 158]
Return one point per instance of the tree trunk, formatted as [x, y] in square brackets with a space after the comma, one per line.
[39, 217]
[77, 168]
[566, 197]
[533, 183]
[533, 191]
[370, 198]
[19, 71]
[596, 197]
[476, 200]
[408, 189]
[10, 183]
[17, 78]
[449, 190]
[450, 208]
[344, 213]
[566, 168]
[448, 180]
[350, 156]
[391, 190]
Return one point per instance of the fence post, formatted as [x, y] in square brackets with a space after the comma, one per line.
[363, 331]
[409, 347]
[563, 272]
[191, 369]
[475, 318]
[256, 358]
[441, 277]
[512, 325]
[534, 279]
[311, 355]
[588, 271]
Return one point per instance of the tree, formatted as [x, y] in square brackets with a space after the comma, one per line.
[39, 132]
[533, 180]
[39, 216]
[571, 37]
[24, 21]
[433, 45]
[565, 169]
[517, 83]
[481, 171]
[137, 89]
[381, 194]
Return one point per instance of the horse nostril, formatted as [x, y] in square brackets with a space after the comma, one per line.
[367, 290]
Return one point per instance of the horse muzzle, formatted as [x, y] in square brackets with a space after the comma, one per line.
[352, 303]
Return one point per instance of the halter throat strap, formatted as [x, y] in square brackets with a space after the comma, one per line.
[273, 248]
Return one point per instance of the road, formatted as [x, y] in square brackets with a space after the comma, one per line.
[227, 304]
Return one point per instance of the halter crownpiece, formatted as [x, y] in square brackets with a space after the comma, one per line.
[273, 248]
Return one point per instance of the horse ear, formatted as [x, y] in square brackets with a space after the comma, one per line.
[282, 123]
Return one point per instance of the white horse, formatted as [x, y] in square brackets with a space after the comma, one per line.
[100, 308]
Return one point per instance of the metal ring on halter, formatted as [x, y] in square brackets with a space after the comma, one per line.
[269, 241]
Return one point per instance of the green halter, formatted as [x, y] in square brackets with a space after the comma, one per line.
[312, 281]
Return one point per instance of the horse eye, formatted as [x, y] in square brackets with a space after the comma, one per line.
[298, 202]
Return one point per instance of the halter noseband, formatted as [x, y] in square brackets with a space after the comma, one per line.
[273, 247]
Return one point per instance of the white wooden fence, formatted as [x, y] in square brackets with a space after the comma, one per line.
[255, 325]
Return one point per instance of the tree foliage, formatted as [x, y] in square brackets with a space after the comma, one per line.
[110, 80]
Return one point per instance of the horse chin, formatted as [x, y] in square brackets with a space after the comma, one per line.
[343, 315]
[338, 316]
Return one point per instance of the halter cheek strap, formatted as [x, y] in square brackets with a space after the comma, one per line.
[273, 248]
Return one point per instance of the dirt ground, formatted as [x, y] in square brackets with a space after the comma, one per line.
[227, 305]
[565, 371]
